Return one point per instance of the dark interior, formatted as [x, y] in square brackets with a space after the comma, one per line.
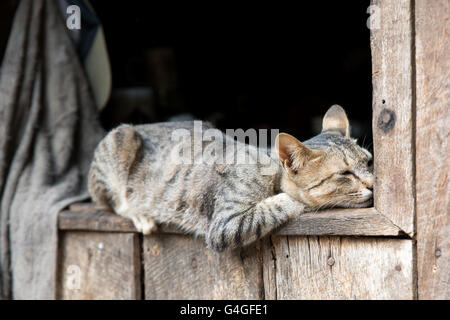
[239, 66]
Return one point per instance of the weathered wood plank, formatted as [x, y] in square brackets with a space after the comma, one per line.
[180, 267]
[342, 268]
[392, 122]
[96, 265]
[94, 220]
[89, 216]
[365, 221]
[432, 147]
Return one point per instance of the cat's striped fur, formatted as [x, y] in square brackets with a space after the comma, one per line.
[136, 171]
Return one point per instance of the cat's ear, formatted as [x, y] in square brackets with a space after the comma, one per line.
[336, 121]
[293, 154]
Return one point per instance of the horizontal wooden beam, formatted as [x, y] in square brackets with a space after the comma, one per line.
[349, 222]
[357, 222]
[87, 217]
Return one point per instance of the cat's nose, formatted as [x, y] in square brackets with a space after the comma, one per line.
[368, 182]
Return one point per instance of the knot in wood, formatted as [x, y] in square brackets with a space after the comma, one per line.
[437, 252]
[194, 263]
[155, 250]
[386, 120]
[330, 261]
[398, 267]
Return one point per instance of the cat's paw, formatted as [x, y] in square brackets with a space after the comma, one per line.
[145, 225]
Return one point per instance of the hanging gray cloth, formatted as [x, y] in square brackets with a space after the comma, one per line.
[48, 131]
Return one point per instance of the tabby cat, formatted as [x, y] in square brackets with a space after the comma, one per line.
[137, 172]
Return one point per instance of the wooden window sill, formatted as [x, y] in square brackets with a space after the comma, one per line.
[349, 222]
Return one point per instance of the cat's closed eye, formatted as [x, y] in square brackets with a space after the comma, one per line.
[347, 173]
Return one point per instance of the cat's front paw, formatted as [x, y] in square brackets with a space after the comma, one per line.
[145, 225]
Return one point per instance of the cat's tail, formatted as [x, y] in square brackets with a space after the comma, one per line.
[114, 161]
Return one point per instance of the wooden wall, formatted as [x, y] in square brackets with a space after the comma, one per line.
[432, 68]
[303, 260]
[338, 268]
[279, 267]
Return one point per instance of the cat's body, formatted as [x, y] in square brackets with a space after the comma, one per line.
[143, 173]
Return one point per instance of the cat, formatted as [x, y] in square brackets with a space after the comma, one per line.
[137, 172]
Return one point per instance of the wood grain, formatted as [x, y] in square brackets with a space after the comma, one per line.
[108, 265]
[180, 267]
[432, 26]
[269, 269]
[393, 122]
[364, 221]
[341, 268]
[94, 219]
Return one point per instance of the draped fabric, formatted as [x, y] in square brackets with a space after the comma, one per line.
[48, 132]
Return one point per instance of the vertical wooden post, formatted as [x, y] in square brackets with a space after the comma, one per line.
[432, 29]
[392, 78]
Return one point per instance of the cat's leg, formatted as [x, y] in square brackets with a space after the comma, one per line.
[236, 226]
[125, 146]
[98, 188]
[114, 159]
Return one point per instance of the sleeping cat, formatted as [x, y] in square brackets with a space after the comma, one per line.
[143, 173]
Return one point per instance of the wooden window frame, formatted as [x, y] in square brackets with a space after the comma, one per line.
[392, 125]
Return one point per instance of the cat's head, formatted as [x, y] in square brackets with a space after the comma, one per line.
[328, 170]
